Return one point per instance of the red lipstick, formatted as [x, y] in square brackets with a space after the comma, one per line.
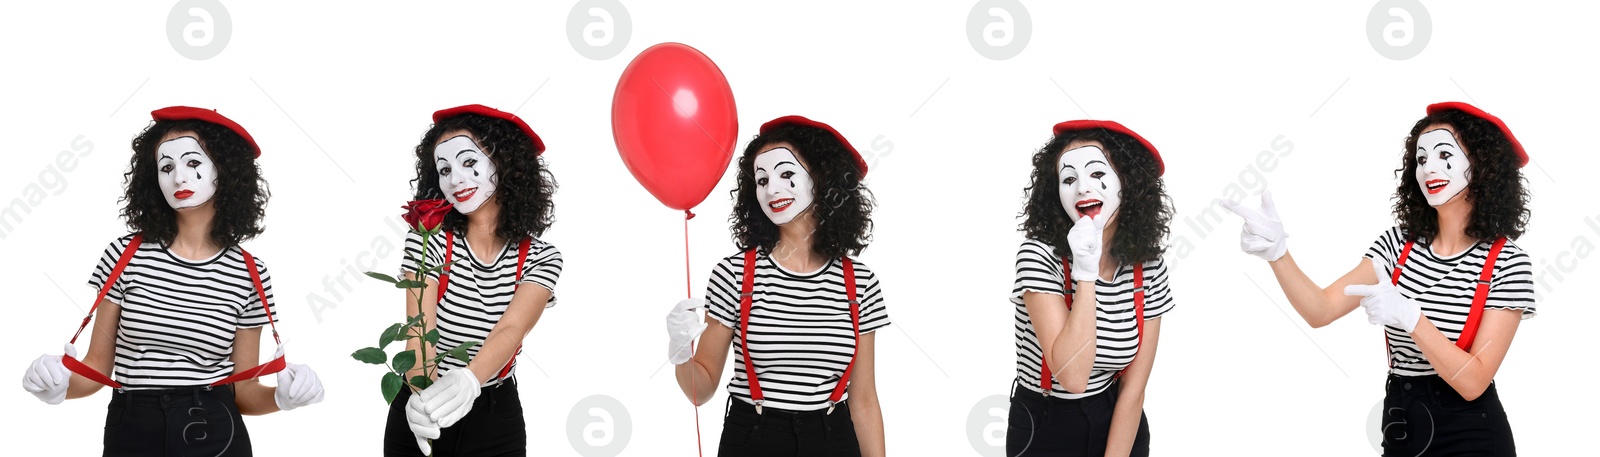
[1437, 185]
[1089, 208]
[780, 204]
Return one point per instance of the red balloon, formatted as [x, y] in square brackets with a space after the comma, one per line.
[674, 122]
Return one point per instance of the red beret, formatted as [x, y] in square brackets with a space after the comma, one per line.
[803, 122]
[538, 144]
[1436, 108]
[178, 113]
[1072, 126]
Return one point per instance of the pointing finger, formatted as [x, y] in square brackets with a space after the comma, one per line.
[1362, 290]
[1246, 213]
[1267, 205]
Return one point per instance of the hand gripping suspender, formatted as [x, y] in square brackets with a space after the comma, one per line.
[1469, 330]
[76, 366]
[1046, 380]
[745, 299]
[444, 282]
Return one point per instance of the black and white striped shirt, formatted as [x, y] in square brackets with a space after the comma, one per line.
[1444, 287]
[477, 294]
[1116, 332]
[179, 316]
[800, 328]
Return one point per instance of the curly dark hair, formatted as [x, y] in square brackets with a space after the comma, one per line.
[1496, 191]
[1142, 219]
[241, 197]
[524, 186]
[843, 205]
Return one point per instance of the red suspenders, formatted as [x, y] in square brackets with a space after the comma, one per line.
[444, 282]
[745, 294]
[1469, 330]
[1046, 380]
[76, 366]
[1480, 297]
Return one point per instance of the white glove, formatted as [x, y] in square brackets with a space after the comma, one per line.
[683, 325]
[450, 398]
[1263, 234]
[422, 427]
[47, 378]
[1384, 304]
[1085, 239]
[298, 385]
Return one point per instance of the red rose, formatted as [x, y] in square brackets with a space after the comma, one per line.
[426, 214]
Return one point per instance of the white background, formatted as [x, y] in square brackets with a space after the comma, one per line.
[330, 86]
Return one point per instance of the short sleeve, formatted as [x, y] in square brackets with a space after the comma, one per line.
[414, 250]
[874, 314]
[1512, 285]
[543, 267]
[1038, 270]
[255, 315]
[1387, 248]
[1157, 289]
[722, 291]
[108, 262]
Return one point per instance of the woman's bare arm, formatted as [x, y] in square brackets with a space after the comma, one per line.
[1130, 401]
[699, 376]
[1320, 306]
[1067, 337]
[102, 349]
[864, 408]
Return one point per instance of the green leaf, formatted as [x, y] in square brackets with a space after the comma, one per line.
[439, 267]
[421, 382]
[373, 356]
[404, 361]
[382, 277]
[432, 337]
[462, 352]
[391, 386]
[410, 284]
[389, 335]
[414, 320]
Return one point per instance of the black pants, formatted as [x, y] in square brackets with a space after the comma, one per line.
[1049, 426]
[494, 427]
[781, 433]
[197, 421]
[1422, 415]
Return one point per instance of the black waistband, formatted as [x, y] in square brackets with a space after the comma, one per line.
[1421, 385]
[1105, 398]
[488, 396]
[172, 396]
[787, 420]
[504, 387]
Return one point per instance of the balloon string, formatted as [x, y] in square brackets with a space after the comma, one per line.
[688, 290]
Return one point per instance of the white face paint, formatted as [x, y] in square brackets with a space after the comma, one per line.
[466, 174]
[1442, 167]
[185, 172]
[1089, 187]
[782, 186]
